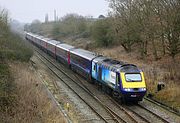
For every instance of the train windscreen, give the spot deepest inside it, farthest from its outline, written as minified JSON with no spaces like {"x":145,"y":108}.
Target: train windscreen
{"x":133,"y":77}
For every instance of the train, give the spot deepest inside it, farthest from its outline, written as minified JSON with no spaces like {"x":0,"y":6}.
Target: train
{"x":122,"y":80}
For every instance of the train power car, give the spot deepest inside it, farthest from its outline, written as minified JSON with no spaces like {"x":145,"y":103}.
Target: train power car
{"x":81,"y":61}
{"x":63,"y":53}
{"x":121,"y":79}
{"x":132,"y":81}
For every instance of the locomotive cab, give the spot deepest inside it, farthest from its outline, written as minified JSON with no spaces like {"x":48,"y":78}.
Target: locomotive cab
{"x":132,"y":83}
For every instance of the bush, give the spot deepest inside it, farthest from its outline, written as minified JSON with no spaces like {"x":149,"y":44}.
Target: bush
{"x":101,"y":32}
{"x":15,"y":48}
{"x":73,"y":24}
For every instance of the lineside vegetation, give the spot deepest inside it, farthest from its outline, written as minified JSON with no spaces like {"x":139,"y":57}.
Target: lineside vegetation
{"x":22,"y":95}
{"x":12,"y":47}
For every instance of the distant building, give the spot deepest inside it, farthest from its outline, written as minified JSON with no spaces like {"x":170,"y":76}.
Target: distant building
{"x":101,"y":17}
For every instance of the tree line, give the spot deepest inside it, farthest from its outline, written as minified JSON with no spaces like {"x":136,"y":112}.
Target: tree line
{"x":151,"y":26}
{"x":148,"y":23}
{"x":69,"y":25}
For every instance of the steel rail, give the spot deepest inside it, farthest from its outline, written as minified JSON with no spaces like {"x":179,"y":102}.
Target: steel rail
{"x":168,"y":108}
{"x":156,"y":115}
{"x":75,"y":91}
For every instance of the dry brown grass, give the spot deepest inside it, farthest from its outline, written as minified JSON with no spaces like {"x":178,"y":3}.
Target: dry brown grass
{"x":32,"y":103}
{"x":170,"y":95}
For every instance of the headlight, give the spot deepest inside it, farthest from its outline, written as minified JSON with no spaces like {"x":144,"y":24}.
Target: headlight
{"x":143,"y":89}
{"x":127,"y":89}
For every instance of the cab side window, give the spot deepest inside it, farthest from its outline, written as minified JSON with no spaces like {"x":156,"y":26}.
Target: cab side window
{"x":117,"y":79}
{"x":94,"y":68}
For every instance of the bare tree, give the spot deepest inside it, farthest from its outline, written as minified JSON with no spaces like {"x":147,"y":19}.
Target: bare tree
{"x":171,"y":17}
{"x":153,"y":23}
{"x":124,"y":23}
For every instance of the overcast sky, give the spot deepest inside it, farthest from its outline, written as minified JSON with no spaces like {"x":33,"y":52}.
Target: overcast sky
{"x":28,"y":10}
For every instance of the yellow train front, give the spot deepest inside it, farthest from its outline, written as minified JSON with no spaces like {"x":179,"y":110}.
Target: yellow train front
{"x":131,"y":83}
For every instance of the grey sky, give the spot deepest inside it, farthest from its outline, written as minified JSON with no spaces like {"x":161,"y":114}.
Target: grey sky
{"x":28,"y":10}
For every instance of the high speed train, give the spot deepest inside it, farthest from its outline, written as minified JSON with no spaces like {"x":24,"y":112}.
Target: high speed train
{"x":122,"y":80}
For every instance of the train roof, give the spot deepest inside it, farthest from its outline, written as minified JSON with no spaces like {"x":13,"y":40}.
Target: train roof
{"x":129,"y":68}
{"x":53,"y":42}
{"x":84,"y":53}
{"x":39,"y":36}
{"x":28,"y":33}
{"x":31,"y":34}
{"x":65,"y":46}
{"x":46,"y":39}
{"x":118,"y":66}
{"x":99,"y":59}
{"x":113,"y":62}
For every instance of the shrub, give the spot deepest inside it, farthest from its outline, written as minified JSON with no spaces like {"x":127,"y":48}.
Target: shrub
{"x":15,"y":48}
{"x":101,"y":32}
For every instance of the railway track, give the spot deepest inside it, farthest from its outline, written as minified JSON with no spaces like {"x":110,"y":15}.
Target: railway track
{"x":111,"y":106}
{"x":110,"y":103}
{"x":156,"y":115}
{"x":133,"y":114}
{"x":102,"y":111}
{"x":165,"y":113}
{"x":170,"y":109}
{"x":114,"y":109}
{"x":119,"y":108}
{"x":146,"y":114}
{"x":113,"y":114}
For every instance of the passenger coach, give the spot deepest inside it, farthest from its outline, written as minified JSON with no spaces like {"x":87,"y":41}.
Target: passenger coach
{"x":63,"y":53}
{"x":81,"y":61}
{"x":51,"y":47}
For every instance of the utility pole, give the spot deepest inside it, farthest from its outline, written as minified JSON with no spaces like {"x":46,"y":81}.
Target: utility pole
{"x":46,"y":18}
{"x":55,"y":15}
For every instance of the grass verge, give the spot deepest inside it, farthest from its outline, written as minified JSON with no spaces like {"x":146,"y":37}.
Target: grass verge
{"x":31,"y":102}
{"x":23,"y":98}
